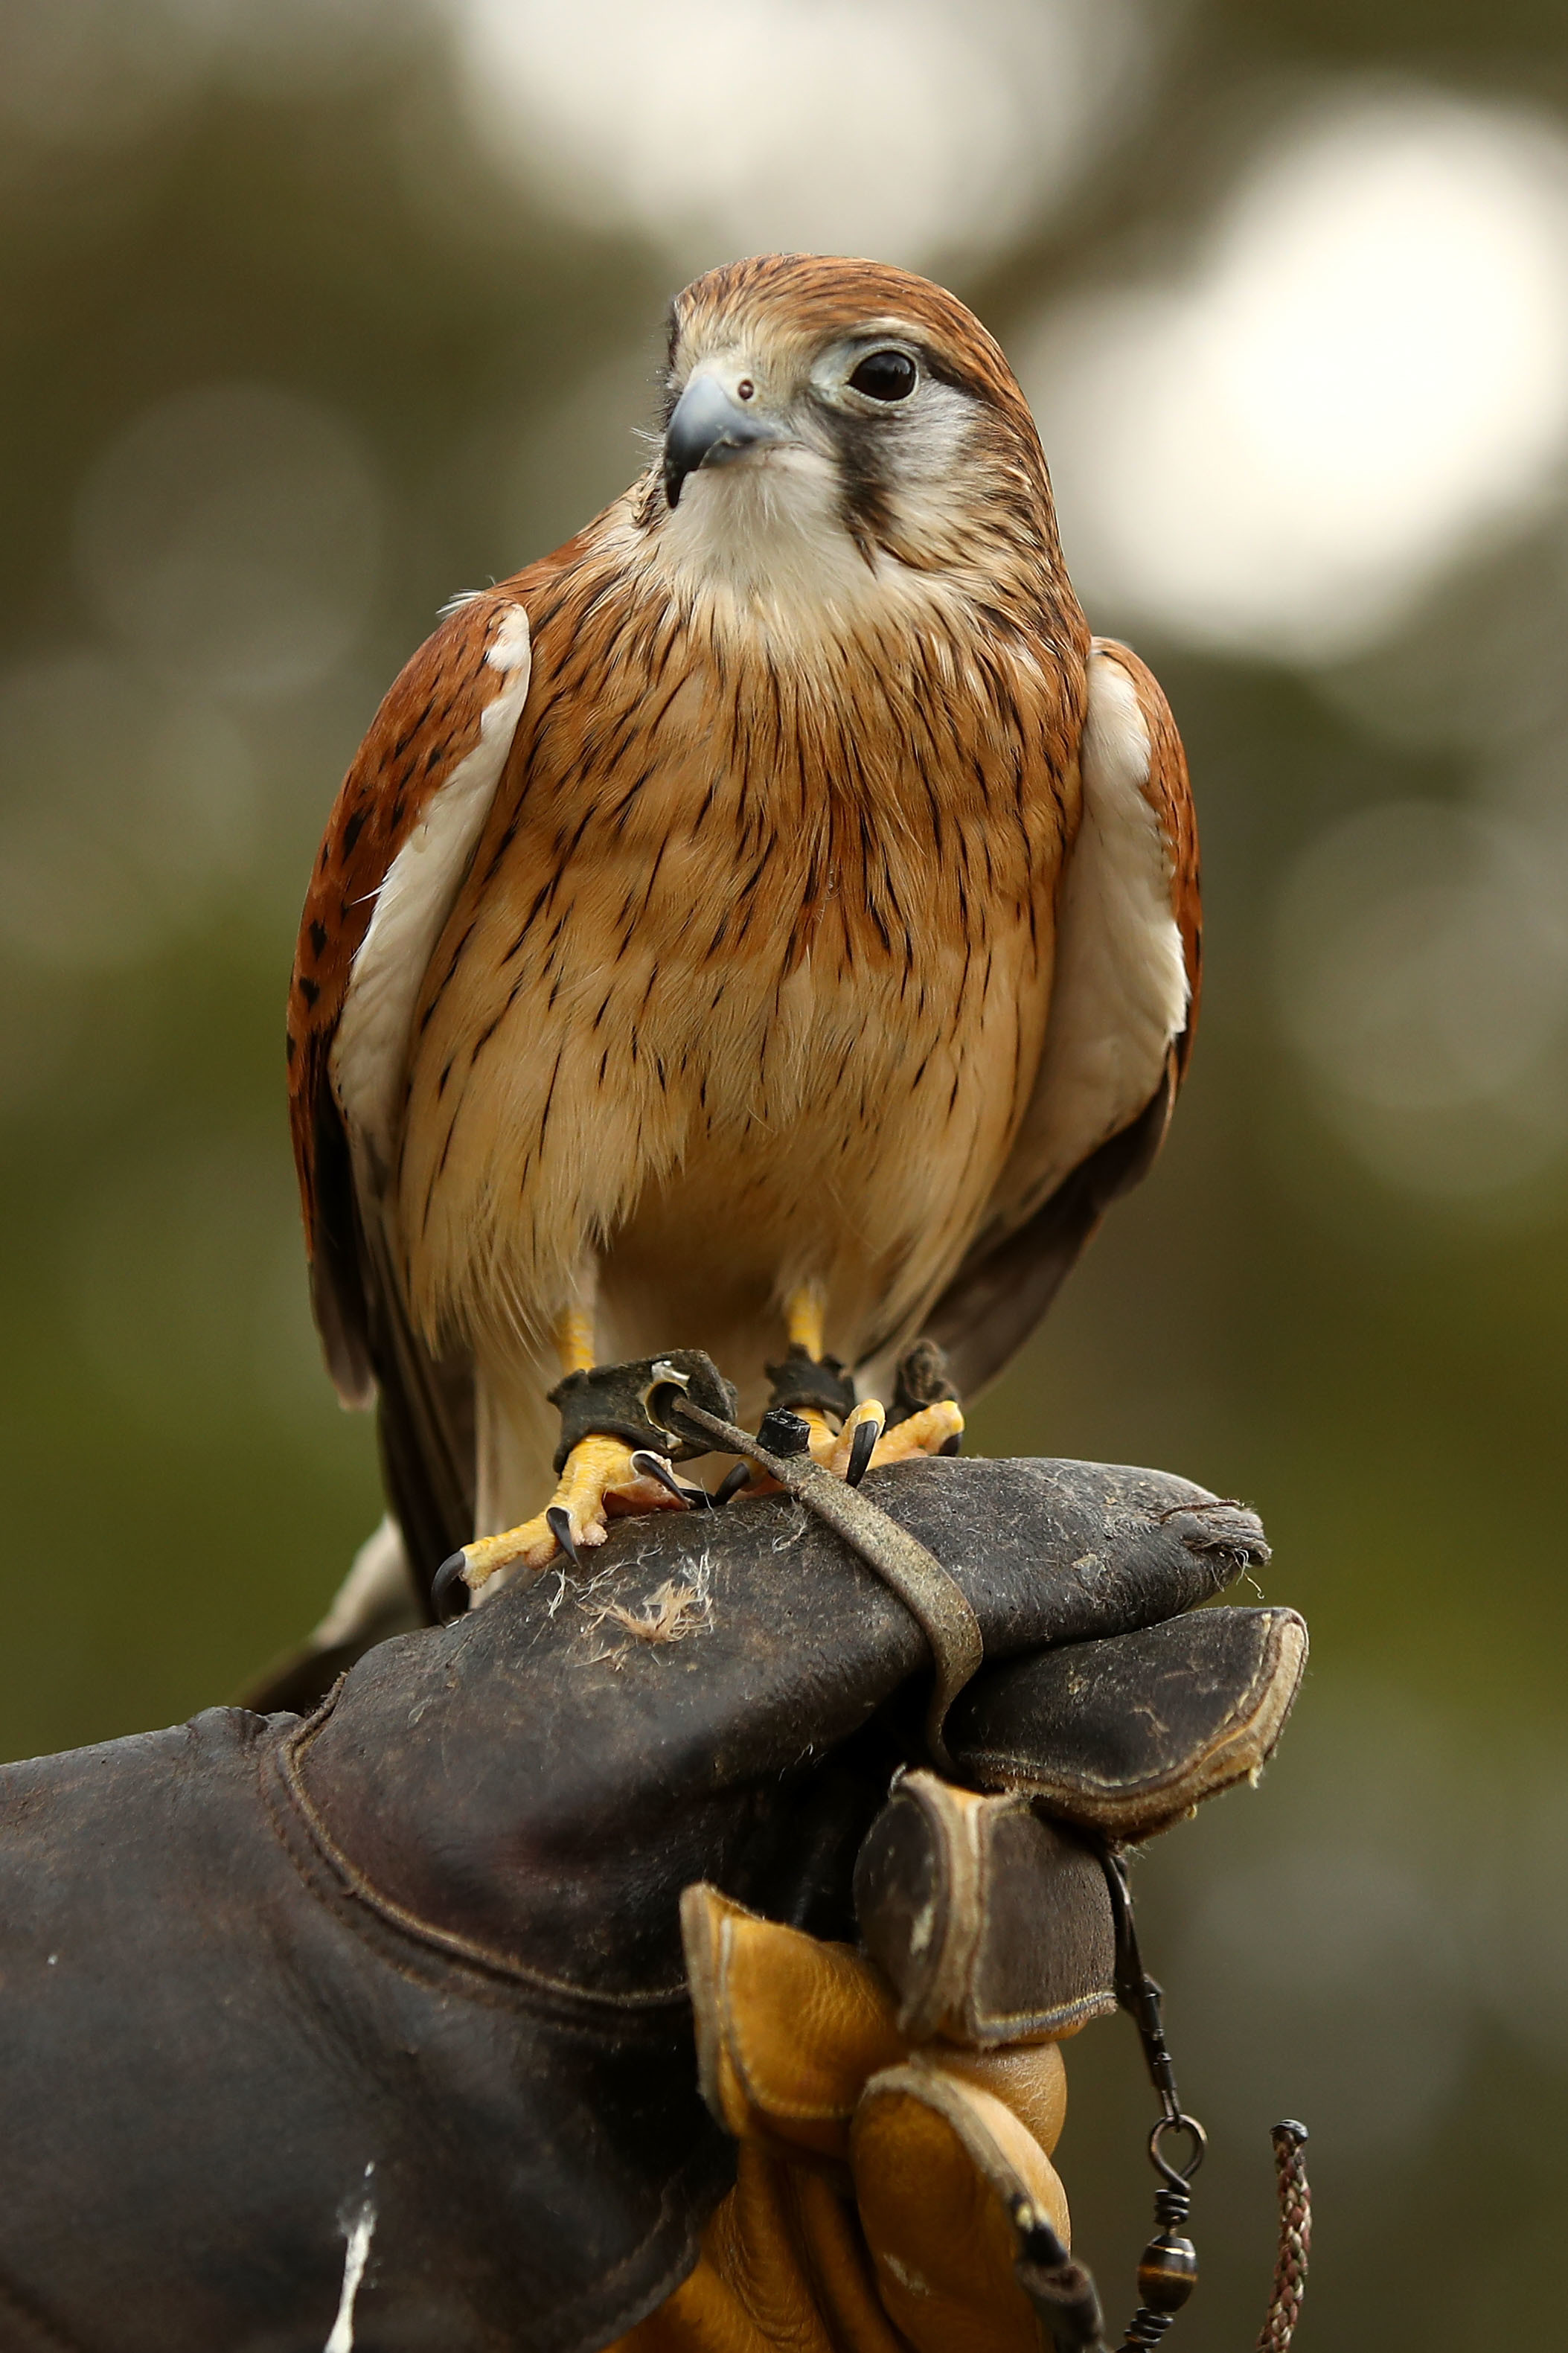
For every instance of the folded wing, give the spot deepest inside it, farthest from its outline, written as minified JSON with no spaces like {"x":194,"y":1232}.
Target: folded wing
{"x":397,"y":848}
{"x":1122,"y":1012}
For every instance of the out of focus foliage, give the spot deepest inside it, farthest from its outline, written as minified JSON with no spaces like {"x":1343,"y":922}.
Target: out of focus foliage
{"x":312,"y":314}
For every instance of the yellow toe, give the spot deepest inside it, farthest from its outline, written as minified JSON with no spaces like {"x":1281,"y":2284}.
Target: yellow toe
{"x":868,"y":1411}
{"x":926,"y":1433}
{"x":595,"y":1468}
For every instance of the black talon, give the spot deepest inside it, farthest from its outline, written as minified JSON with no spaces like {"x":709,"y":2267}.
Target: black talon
{"x":444,"y":1585}
{"x":730,"y":1485}
{"x":558,"y":1520}
{"x":654,"y":1466}
{"x":862,"y":1446}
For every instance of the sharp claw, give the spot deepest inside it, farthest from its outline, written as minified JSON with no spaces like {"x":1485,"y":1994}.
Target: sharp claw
{"x":730,"y":1485}
{"x":862,"y":1446}
{"x":558,"y":1520}
{"x":654,"y":1466}
{"x":447,"y":1583}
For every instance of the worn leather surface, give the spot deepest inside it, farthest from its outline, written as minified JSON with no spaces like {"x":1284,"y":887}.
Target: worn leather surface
{"x":870,"y":2208}
{"x":990,"y":1924}
{"x":790,"y":1646}
{"x":434,"y":1932}
{"x":211,"y":2051}
{"x":1124,"y":1737}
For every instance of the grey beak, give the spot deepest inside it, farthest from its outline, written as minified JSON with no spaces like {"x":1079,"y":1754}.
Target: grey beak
{"x":710,"y":429}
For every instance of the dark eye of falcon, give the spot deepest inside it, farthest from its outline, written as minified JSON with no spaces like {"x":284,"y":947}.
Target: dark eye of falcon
{"x":886,"y":375}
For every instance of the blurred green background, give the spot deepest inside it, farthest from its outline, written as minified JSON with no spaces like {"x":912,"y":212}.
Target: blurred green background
{"x":315,"y":311}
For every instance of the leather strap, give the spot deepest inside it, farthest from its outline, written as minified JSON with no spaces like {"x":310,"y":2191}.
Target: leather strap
{"x":899,"y":1559}
{"x":616,"y":1401}
{"x":802,"y":1381}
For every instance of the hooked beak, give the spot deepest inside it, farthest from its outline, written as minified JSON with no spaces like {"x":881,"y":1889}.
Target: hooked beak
{"x":710,"y":429}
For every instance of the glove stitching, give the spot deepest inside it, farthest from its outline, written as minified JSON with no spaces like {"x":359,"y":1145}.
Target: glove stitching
{"x":1004,"y":2026}
{"x":289,"y":1803}
{"x":742,"y":2059}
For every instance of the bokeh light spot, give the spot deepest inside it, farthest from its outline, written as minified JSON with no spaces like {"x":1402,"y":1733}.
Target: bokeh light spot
{"x":1366,"y":373}
{"x":906,"y":129}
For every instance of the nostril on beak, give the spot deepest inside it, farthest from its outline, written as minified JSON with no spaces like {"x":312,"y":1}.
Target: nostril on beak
{"x":710,"y":426}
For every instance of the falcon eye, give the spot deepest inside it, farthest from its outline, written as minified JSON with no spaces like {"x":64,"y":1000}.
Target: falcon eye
{"x":886,"y":375}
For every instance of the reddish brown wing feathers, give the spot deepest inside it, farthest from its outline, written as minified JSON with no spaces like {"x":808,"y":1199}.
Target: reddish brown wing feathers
{"x":428,"y":723}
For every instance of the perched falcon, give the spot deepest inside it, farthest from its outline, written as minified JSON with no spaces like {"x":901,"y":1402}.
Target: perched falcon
{"x":770,"y":919}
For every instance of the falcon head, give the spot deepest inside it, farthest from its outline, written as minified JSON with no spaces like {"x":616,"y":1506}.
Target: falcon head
{"x":831,"y":424}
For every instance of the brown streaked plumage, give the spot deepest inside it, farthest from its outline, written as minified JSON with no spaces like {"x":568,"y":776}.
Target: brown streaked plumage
{"x":716,"y":965}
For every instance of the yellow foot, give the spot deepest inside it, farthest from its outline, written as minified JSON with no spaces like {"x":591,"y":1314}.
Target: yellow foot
{"x":926,"y":1433}
{"x":598,"y":1481}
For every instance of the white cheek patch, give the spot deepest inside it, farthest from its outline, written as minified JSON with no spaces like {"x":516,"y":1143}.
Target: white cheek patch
{"x":933,"y":432}
{"x":371,"y":1049}
{"x":931,"y":486}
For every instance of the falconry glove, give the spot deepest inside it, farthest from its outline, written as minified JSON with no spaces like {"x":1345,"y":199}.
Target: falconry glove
{"x":895,"y":2106}
{"x":375,"y":2028}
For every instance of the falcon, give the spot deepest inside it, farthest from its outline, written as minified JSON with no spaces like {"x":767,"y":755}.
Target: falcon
{"x":766,"y":927}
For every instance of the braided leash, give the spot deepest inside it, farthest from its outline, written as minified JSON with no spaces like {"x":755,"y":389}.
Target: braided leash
{"x":1063,"y":2292}
{"x":1295,"y":2240}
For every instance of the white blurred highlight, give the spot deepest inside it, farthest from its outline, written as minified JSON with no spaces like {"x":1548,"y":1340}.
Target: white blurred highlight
{"x":904,"y":129}
{"x":1365,"y":375}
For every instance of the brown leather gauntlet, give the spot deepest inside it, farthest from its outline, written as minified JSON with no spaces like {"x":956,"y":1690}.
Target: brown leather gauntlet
{"x":414,"y":1969}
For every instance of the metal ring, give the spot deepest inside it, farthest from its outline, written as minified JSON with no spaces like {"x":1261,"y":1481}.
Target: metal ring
{"x":666,"y":1377}
{"x":1200,"y":2140}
